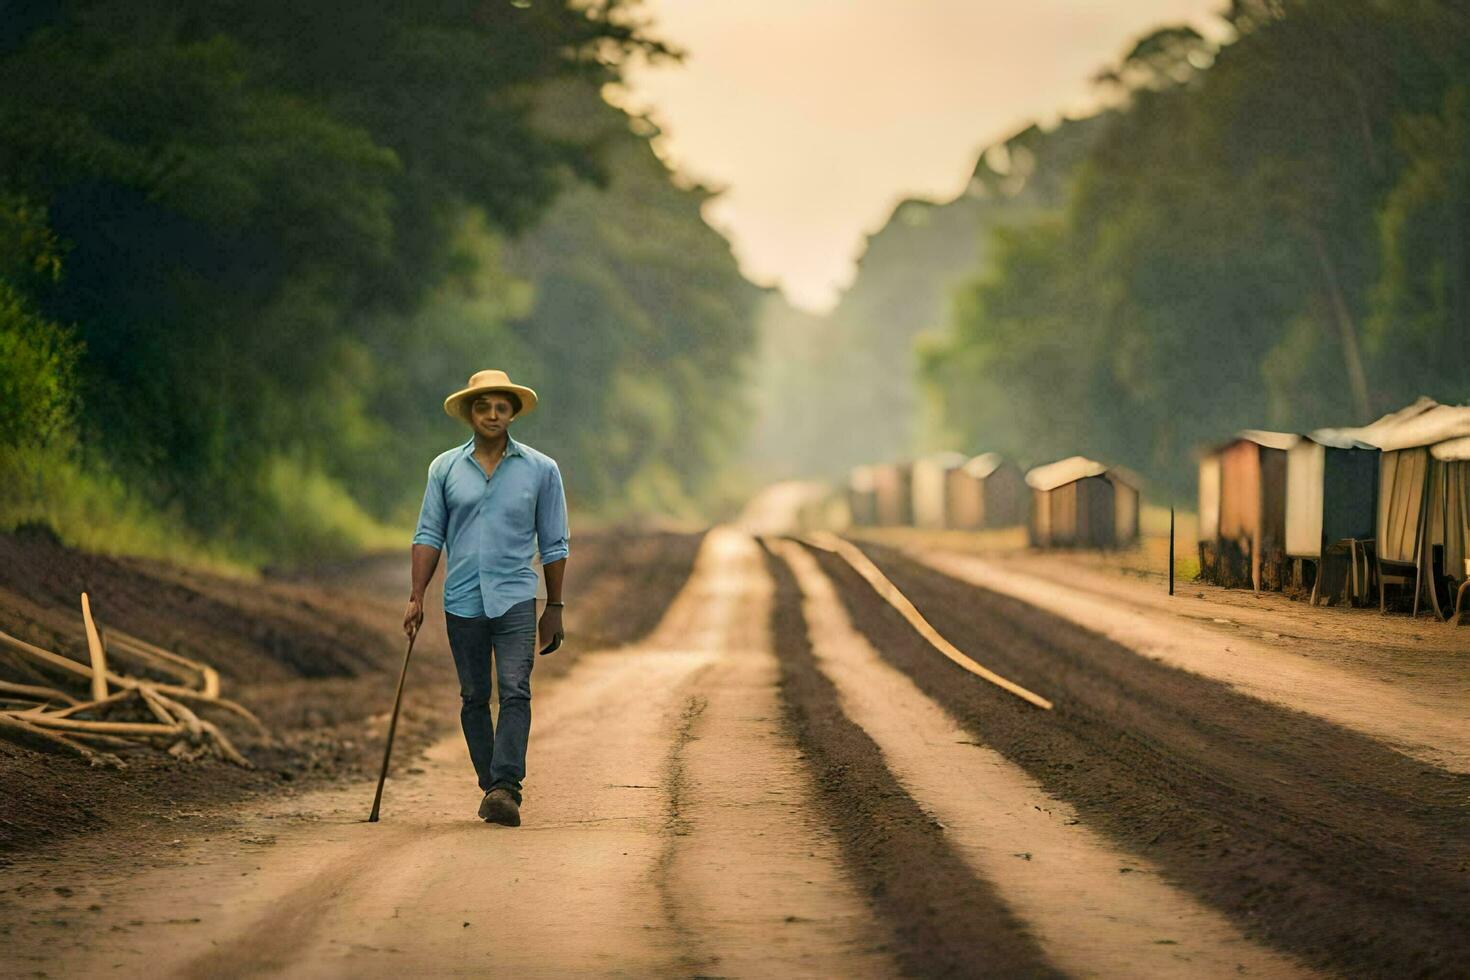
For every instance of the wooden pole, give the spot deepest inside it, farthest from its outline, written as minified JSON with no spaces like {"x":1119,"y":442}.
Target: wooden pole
{"x":99,"y":658}
{"x":863,"y":565}
{"x":1171,"y":550}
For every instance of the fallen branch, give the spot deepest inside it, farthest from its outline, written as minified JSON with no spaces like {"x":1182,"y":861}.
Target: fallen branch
{"x":863,"y":565}
{"x":155,"y":705}
{"x":37,"y":691}
{"x":56,"y":660}
{"x":17,"y":726}
{"x":168,"y":661}
{"x":105,"y":727}
{"x":173,"y":719}
{"x":197,"y":725}
{"x":94,"y":646}
{"x":81,"y":670}
{"x":112,"y":698}
{"x":185,"y":694}
{"x":116,"y":741}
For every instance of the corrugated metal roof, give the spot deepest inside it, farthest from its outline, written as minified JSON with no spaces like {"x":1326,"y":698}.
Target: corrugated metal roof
{"x":983,"y":465}
{"x":1372,"y":433}
{"x":1337,"y":439}
{"x":1064,"y":471}
{"x":1121,"y":474}
{"x":1453,"y":451}
{"x":1441,"y":423}
{"x":1267,"y":438}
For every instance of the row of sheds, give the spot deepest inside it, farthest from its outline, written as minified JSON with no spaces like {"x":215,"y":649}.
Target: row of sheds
{"x":1398,"y":488}
{"x":1073,"y":502}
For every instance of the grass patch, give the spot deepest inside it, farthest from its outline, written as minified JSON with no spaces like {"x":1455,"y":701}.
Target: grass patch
{"x":93,"y":511}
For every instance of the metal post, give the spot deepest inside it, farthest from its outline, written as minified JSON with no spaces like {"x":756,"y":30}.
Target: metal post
{"x":1171,"y":550}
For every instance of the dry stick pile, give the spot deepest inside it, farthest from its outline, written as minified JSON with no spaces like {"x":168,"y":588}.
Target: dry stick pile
{"x":51,"y":715}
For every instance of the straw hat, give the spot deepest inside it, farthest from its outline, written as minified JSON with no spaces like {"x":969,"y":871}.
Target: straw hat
{"x":481,"y":382}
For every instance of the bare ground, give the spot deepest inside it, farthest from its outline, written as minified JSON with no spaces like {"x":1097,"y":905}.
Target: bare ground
{"x":1318,"y":840}
{"x":762,"y":786}
{"x":668,"y":831}
{"x":945,"y":920}
{"x":315,"y":654}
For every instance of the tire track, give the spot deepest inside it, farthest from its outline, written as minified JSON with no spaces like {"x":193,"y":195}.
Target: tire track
{"x":1317,"y":840}
{"x":751,"y":883}
{"x":943,"y":919}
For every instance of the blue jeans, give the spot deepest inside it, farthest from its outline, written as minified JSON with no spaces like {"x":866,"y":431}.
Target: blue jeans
{"x":499,"y":756}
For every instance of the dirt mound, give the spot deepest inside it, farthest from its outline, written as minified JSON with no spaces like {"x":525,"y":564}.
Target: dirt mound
{"x":314,"y":654}
{"x":249,"y":631}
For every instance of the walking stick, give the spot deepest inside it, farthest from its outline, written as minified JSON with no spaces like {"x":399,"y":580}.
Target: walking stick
{"x":392,"y":726}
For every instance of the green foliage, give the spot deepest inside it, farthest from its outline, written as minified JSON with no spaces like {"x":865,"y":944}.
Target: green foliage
{"x":37,"y":362}
{"x":37,"y":357}
{"x":277,"y":234}
{"x":91,"y":508}
{"x":1271,"y":235}
{"x":1420,"y":319}
{"x":641,"y":324}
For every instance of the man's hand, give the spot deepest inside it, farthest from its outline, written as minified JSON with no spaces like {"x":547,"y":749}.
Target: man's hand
{"x":413,"y":618}
{"x":550,"y":628}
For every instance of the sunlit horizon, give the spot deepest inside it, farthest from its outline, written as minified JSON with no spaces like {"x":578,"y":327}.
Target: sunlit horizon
{"x":763,"y":111}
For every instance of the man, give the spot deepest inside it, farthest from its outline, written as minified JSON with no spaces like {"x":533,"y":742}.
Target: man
{"x":485,"y":502}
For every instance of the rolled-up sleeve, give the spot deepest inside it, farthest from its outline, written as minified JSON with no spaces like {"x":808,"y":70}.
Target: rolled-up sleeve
{"x":433,"y":519}
{"x":552,"y":533}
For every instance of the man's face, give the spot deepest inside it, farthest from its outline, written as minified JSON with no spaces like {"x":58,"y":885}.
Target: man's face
{"x":490,"y":413}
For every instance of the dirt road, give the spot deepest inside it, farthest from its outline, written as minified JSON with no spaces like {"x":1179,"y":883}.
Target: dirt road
{"x":782,"y":779}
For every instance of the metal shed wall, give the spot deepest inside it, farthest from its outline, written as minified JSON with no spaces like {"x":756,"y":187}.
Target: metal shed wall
{"x":1040,"y":526}
{"x":931,"y":488}
{"x":964,"y":507}
{"x":1209,"y":498}
{"x":893,"y":484}
{"x":987,"y":492}
{"x":1401,"y":484}
{"x":1082,"y":514}
{"x":862,"y":501}
{"x":1414,"y":487}
{"x":1349,"y":494}
{"x":1004,"y":492}
{"x":1305,"y":469}
{"x":1125,"y":512}
{"x":1449,"y":513}
{"x":1253,"y":493}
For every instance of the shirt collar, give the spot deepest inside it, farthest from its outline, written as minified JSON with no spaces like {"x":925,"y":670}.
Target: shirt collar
{"x":512,"y":448}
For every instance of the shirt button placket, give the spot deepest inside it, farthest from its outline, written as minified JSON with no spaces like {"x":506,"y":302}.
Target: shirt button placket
{"x":484,"y":550}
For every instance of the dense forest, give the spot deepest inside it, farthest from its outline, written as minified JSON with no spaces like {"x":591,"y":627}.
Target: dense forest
{"x":1269,"y":232}
{"x":246,"y":248}
{"x":1272,"y":234}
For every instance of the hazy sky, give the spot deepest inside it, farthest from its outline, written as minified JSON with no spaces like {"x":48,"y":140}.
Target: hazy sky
{"x":817,"y":116}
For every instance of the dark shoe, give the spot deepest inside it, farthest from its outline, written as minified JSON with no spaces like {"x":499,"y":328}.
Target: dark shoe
{"x":500,"y":807}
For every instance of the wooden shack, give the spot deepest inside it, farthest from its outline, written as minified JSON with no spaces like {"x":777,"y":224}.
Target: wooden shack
{"x":1423,"y":523}
{"x":1251,"y":532}
{"x":862,"y":497}
{"x":1126,"y":499}
{"x":1209,"y":514}
{"x":1072,"y":505}
{"x":893,"y":484}
{"x":987,"y":491}
{"x":1331,"y":497}
{"x":931,"y":488}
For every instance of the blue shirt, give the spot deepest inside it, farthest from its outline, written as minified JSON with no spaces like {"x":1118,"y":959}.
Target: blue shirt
{"x":492,"y":526}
